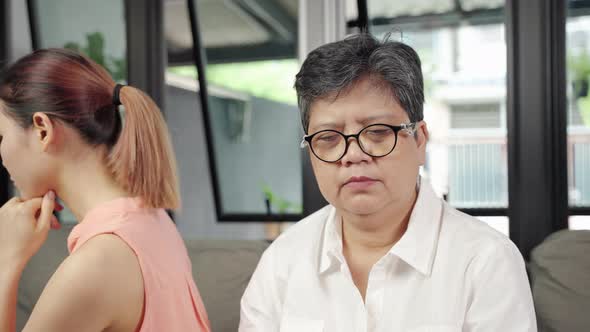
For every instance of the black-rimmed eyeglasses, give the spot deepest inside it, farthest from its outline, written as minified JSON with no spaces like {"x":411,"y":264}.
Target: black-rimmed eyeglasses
{"x":376,"y":140}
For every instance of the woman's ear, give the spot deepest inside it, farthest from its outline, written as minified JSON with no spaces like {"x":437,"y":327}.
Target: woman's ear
{"x":44,"y":129}
{"x":422,"y":136}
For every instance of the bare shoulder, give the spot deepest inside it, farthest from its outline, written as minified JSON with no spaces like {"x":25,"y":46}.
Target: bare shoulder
{"x":99,"y":287}
{"x":106,"y":256}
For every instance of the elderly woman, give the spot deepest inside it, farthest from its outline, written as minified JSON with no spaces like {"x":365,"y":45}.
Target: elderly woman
{"x":387,"y":254}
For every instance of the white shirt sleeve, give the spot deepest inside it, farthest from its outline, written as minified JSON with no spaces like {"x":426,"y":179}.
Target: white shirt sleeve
{"x":260,"y":305}
{"x":499,"y":298}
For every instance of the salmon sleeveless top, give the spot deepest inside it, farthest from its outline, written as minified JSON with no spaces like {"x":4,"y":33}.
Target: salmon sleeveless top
{"x":172,"y":301}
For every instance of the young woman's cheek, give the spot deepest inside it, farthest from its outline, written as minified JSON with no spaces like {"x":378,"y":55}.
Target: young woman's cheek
{"x":3,"y":154}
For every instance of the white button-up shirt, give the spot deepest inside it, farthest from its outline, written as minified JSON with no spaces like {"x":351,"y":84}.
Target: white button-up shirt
{"x":448,"y":273}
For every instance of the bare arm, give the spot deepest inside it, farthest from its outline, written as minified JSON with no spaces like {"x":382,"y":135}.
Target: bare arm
{"x":9,"y":278}
{"x":98,"y":287}
{"x":22,"y":231}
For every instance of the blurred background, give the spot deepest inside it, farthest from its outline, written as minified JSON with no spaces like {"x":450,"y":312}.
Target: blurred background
{"x":223,"y":73}
{"x":506,"y":83}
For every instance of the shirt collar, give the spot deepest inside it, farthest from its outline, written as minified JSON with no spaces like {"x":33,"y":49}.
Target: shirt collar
{"x":417,"y":247}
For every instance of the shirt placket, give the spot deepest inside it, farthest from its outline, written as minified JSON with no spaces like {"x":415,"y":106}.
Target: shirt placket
{"x":360,"y":321}
{"x":374,"y":295}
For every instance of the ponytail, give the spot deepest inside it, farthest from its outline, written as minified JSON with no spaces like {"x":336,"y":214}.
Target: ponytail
{"x":142,"y":160}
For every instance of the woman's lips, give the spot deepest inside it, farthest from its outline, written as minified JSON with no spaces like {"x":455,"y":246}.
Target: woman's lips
{"x":359,"y":182}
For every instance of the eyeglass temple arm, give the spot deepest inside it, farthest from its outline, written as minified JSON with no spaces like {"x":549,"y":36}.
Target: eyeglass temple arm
{"x":409,"y":128}
{"x":303,"y":143}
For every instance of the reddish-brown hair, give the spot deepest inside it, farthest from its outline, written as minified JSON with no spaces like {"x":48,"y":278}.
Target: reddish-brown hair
{"x":73,"y":89}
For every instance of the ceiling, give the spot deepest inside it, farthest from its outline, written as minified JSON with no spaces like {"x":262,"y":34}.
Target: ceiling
{"x":233,"y":30}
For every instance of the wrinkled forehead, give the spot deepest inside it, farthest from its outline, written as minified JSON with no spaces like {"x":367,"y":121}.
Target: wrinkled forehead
{"x":365,"y":102}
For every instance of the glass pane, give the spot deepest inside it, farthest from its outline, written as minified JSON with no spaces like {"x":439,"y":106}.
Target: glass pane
{"x":578,"y":116}
{"x":96,"y":28}
{"x":254,"y":120}
{"x":579,"y":222}
{"x":351,"y":10}
{"x":388,"y":9}
{"x":465,"y":91}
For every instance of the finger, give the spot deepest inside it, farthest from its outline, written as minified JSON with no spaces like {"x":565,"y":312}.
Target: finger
{"x":35,"y":204}
{"x":32,"y":205}
{"x":47,"y":206}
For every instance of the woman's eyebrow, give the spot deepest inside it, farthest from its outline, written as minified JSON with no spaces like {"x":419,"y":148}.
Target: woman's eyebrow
{"x":374,"y":118}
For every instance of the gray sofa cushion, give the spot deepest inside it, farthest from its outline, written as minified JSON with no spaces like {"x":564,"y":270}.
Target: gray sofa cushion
{"x":38,"y":271}
{"x":221,"y":268}
{"x":560,"y":277}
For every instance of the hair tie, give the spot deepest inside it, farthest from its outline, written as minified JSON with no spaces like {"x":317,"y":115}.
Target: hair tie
{"x":116,"y":93}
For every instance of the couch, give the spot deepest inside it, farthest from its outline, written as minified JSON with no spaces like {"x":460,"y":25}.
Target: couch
{"x":560,"y":279}
{"x":559,"y":271}
{"x":221,"y":268}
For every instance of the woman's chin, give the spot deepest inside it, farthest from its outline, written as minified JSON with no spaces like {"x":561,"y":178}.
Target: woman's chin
{"x":25,"y":196}
{"x":363,"y":206}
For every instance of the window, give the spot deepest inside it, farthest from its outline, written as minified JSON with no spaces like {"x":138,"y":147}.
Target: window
{"x":465,"y":107}
{"x":252,"y":123}
{"x":476,"y":116}
{"x":465,"y":95}
{"x":578,"y":117}
{"x":94,"y":28}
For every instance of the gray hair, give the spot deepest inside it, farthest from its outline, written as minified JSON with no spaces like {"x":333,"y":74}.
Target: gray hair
{"x":335,"y":67}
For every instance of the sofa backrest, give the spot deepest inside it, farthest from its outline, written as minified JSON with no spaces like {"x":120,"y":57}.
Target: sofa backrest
{"x":222,"y":270}
{"x":560,"y":278}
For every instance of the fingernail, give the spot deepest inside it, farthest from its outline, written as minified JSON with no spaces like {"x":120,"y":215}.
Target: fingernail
{"x":51,"y":194}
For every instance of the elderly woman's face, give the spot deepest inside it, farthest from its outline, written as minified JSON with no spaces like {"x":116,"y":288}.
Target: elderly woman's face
{"x":359,"y":183}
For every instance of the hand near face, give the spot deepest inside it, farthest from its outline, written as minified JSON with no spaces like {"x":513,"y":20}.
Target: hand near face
{"x":24,"y":225}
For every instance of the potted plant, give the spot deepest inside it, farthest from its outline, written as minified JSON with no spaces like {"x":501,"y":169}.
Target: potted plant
{"x":95,"y":51}
{"x":282,"y":206}
{"x":579,"y":68}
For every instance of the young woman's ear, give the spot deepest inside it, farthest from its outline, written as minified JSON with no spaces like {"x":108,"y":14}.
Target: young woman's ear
{"x":44,"y":129}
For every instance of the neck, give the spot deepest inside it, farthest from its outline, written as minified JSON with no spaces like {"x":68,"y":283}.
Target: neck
{"x":86,"y":183}
{"x":379,"y":231}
